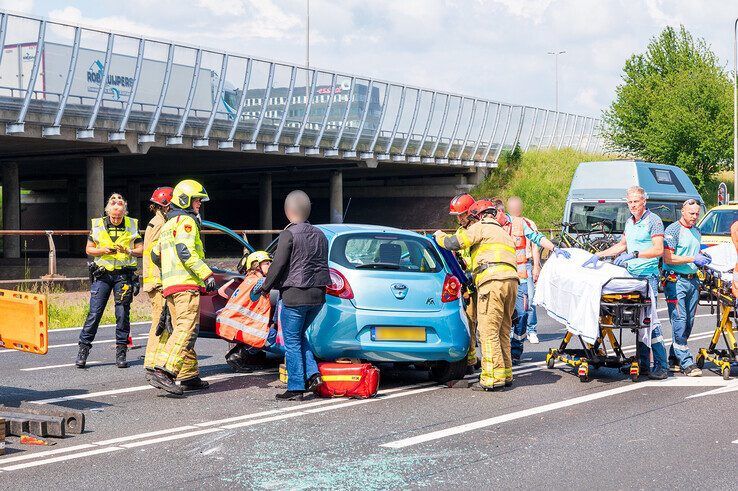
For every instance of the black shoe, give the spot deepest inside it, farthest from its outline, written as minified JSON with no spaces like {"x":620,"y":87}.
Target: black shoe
{"x":508,"y":383}
{"x":120,"y":356}
{"x":470,"y":369}
{"x":290,"y":395}
{"x":149,"y":374}
{"x":658,"y":375}
{"x":516,"y":361}
{"x":82,"y":354}
{"x":194,"y":383}
{"x":162,"y":380}
{"x":481,"y":388}
{"x":314,"y":382}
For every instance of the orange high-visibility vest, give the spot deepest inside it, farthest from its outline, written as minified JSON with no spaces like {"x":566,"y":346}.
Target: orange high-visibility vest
{"x":521,"y":244}
{"x":243,"y":319}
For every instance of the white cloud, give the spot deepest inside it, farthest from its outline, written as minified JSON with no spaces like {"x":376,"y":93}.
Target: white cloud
{"x":22,"y":6}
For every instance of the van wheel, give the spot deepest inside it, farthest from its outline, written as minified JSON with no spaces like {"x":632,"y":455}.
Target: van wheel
{"x":444,"y":371}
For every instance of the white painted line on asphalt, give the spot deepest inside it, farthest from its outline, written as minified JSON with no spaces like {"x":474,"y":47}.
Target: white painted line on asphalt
{"x":144,"y":435}
{"x":67,"y":345}
{"x":367,"y":401}
{"x":62,"y":458}
{"x":253,"y":422}
{"x":48,"y":367}
{"x":64,"y":329}
{"x":34,"y":455}
{"x":90,"y":395}
{"x":171,"y":437}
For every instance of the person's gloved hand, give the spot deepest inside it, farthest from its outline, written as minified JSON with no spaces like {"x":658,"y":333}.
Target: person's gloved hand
{"x":702,"y":260}
{"x":256,"y":290}
{"x":561,"y":252}
{"x":210,"y":285}
{"x":592,"y":261}
{"x":623,"y":258}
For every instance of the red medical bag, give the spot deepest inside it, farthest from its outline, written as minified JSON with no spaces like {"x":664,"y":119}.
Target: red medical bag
{"x":356,"y":380}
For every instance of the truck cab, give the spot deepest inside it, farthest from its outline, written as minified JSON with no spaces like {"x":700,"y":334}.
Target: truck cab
{"x":597,"y":193}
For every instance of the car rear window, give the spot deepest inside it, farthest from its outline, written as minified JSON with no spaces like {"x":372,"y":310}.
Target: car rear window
{"x":385,"y":252}
{"x":718,"y":222}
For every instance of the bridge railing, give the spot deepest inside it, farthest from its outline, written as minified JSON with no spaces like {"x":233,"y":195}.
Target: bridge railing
{"x":204,"y":97}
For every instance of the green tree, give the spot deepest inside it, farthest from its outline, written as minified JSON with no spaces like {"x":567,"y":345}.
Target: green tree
{"x":674,"y":107}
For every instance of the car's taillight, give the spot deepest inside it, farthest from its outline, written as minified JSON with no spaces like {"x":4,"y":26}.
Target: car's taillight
{"x":451,"y":289}
{"x":339,"y":286}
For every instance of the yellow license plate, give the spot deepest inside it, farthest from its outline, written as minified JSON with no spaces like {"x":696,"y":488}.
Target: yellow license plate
{"x":398,"y":334}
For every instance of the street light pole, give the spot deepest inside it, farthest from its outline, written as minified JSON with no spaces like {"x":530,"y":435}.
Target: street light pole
{"x":735,"y":110}
{"x":556,"y":73}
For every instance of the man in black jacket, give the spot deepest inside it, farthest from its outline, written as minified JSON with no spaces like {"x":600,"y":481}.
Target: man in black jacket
{"x":300,"y":272}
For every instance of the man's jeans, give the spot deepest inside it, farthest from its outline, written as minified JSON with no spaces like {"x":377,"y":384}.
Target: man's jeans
{"x":532,"y":315}
{"x":682,"y":296}
{"x":299,"y":359}
{"x":120,"y":286}
{"x":657,"y":339}
{"x":520,"y":321}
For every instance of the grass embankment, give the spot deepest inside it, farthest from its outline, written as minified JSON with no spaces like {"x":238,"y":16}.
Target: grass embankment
{"x":540,"y":177}
{"x":70,"y":309}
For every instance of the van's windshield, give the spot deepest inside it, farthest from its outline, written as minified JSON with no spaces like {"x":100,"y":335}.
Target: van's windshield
{"x":584,"y":215}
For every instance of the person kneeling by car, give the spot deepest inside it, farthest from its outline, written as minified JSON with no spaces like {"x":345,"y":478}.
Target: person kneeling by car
{"x":246,"y":318}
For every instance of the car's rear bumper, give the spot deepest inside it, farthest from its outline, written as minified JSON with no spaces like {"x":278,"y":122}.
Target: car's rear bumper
{"x":340,"y":330}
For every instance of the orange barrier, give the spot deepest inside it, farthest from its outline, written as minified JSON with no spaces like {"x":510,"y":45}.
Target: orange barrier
{"x":24,"y":321}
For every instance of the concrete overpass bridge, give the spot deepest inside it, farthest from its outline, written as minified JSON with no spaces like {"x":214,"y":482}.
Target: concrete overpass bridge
{"x":84,"y":111}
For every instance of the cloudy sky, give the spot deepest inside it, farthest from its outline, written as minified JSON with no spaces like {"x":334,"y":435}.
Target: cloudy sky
{"x":493,"y":49}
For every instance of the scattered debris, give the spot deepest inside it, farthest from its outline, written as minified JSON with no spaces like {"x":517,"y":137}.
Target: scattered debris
{"x":28,"y":439}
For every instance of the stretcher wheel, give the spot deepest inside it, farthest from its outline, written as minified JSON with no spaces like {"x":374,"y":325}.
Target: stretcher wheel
{"x":726,"y":373}
{"x":583,"y":373}
{"x":635,"y":372}
{"x":550,"y":361}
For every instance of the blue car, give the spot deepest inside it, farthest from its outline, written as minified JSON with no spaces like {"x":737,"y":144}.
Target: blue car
{"x":393,"y":298}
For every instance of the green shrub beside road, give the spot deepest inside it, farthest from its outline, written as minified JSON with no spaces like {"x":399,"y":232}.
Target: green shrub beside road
{"x":540,"y":177}
{"x":70,"y":309}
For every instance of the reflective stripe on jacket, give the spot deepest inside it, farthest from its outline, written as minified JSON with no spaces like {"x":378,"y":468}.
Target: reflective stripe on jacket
{"x":101,"y":238}
{"x":181,"y":255}
{"x":244,"y":319}
{"x":492,"y":250}
{"x":151,"y":272}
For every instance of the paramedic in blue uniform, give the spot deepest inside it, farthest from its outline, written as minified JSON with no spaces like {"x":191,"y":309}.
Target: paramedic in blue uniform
{"x":639,"y":251}
{"x":682,"y":259}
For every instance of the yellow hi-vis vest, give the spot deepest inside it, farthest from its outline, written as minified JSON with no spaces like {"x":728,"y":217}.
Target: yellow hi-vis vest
{"x":465,"y":255}
{"x":119,"y":260}
{"x":492,"y":251}
{"x":183,"y":269}
{"x":151,"y":272}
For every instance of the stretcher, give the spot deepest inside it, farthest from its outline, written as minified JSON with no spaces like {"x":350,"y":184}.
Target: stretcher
{"x":619,"y":311}
{"x":717,"y":285}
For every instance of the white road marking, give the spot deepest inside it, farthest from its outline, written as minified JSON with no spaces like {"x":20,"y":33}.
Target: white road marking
{"x":101,"y":326}
{"x":91,"y":395}
{"x":171,"y":437}
{"x":34,"y":455}
{"x":48,"y":367}
{"x":456,"y":430}
{"x":67,"y":345}
{"x":732,"y":387}
{"x":62,"y":458}
{"x":144,"y":435}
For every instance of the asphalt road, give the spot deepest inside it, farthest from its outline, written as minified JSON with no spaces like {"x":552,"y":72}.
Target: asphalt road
{"x":548,"y":431}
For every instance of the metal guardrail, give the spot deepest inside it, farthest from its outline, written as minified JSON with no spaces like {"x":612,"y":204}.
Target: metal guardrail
{"x":52,"y":269}
{"x":176,"y":89}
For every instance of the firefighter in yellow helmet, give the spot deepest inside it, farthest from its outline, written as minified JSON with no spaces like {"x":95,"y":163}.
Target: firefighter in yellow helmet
{"x":114,"y":243}
{"x":180,"y":256}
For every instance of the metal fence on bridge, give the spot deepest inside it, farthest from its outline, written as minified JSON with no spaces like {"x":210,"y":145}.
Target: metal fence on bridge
{"x":91,"y":79}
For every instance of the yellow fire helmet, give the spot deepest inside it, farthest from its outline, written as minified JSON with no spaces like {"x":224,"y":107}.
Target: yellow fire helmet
{"x":185,"y":191}
{"x":257,"y":257}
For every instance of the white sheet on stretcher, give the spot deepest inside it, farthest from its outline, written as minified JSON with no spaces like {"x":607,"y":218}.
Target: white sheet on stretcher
{"x":723,"y":259}
{"x":571,"y":294}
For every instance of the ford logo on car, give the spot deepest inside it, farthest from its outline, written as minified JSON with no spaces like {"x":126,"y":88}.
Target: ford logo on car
{"x":399,"y":290}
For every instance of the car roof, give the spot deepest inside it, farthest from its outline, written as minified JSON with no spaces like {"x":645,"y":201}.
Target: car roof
{"x":729,"y":206}
{"x":333,"y":229}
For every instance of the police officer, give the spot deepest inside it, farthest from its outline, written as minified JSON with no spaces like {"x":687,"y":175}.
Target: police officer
{"x":160,"y":204}
{"x":459,"y":207}
{"x":496,"y":278}
{"x":113,"y":243}
{"x":180,"y":256}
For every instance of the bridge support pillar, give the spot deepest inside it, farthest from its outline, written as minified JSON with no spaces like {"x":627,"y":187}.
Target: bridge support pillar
{"x":95,"y":188}
{"x":11,"y":209}
{"x":336,"y":197}
{"x":265,"y":208}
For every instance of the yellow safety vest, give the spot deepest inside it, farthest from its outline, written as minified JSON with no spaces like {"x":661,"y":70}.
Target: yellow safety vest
{"x":181,"y":274}
{"x":492,"y":251}
{"x":101,"y":238}
{"x":465,"y":254}
{"x":151,"y":272}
